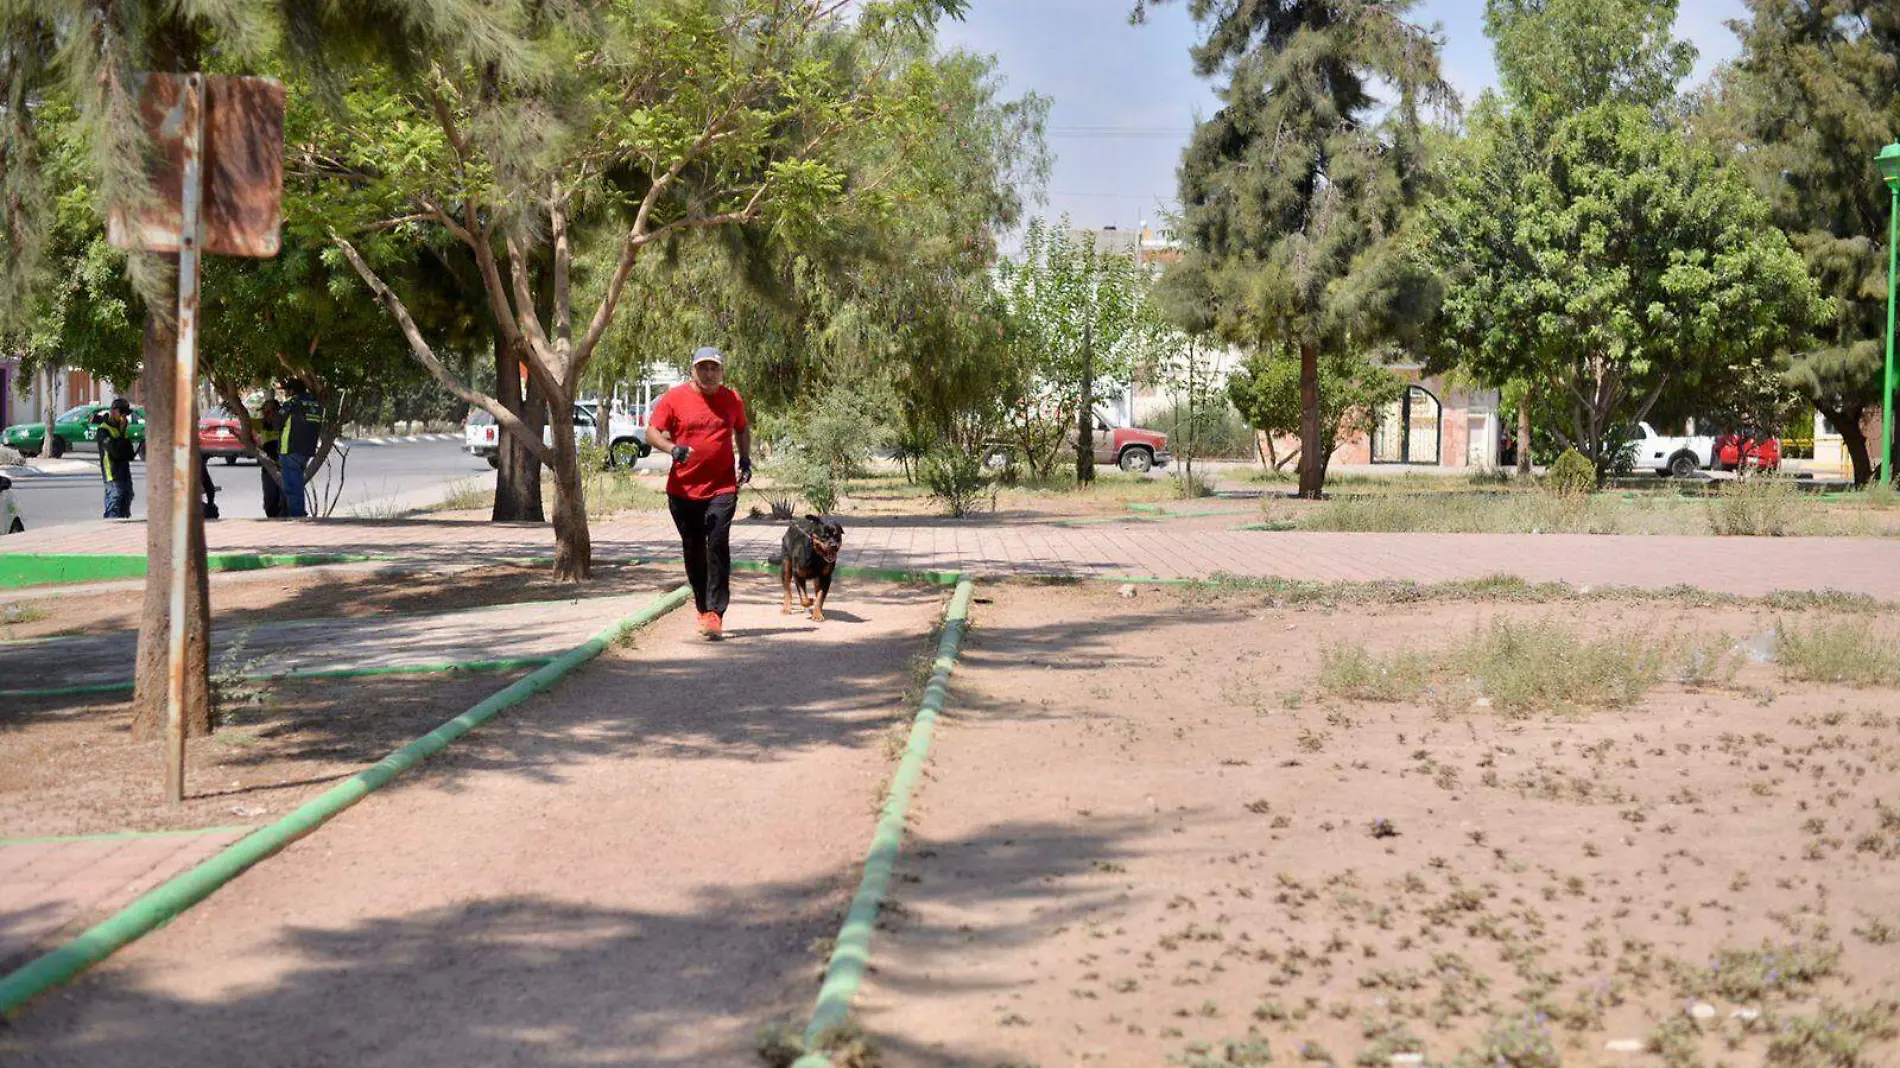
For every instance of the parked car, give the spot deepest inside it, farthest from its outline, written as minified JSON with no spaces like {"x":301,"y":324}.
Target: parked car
{"x":1132,"y":449}
{"x":1748,"y":451}
{"x":481,"y":435}
{"x":71,"y":429}
{"x":1679,"y":457}
{"x":12,"y":519}
{"x":218,"y":435}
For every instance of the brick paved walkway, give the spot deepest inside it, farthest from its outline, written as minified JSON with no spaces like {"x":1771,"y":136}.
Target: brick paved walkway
{"x":1038,"y":545}
{"x":48,"y":886}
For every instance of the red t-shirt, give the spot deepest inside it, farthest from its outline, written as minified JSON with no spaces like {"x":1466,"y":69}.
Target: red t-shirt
{"x":705,"y":425}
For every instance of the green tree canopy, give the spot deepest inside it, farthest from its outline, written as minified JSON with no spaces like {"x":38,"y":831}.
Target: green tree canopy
{"x":637,"y":124}
{"x":1586,"y":247}
{"x":1293,"y":190}
{"x":1080,"y":315}
{"x":1802,"y":112}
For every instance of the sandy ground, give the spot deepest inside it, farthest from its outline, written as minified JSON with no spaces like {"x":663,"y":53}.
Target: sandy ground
{"x":344,"y":591}
{"x":1147,"y":838}
{"x":633,"y":869}
{"x":69,"y":765}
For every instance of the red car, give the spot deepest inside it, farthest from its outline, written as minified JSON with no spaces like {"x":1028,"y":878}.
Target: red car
{"x":1747,"y":451}
{"x":218,"y":435}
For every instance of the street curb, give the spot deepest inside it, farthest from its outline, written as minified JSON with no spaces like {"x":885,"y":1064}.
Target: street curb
{"x":66,"y":569}
{"x":851,"y":955}
{"x":181,"y":892}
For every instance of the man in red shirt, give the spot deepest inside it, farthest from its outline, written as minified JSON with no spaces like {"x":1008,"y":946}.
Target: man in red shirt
{"x":698,"y":423}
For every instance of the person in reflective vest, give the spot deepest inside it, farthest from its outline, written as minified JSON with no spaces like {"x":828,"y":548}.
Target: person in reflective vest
{"x":302,"y":418}
{"x":269,"y":428}
{"x":112,"y":432}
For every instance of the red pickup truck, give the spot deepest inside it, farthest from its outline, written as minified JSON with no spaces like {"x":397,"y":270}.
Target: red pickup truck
{"x":1129,"y":447}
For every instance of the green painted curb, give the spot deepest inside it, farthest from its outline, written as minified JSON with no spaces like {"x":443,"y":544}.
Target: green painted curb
{"x":318,"y":673}
{"x":112,"y":836}
{"x":66,"y":569}
{"x":183,"y":891}
{"x":852,"y":953}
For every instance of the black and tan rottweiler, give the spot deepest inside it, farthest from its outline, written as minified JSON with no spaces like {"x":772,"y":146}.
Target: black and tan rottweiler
{"x":810,"y":555}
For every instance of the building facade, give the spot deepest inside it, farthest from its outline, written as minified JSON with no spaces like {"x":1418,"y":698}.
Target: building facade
{"x":1433,"y":424}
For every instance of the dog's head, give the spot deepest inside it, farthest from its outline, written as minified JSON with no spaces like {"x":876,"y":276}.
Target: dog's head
{"x":827,"y":536}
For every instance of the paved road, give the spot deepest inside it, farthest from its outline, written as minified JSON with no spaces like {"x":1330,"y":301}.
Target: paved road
{"x":380,"y":479}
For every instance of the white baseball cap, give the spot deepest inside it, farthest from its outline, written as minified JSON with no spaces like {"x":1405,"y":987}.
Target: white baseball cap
{"x":709,"y":355}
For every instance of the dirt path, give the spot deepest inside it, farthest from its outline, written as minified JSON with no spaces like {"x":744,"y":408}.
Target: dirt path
{"x":630,"y":870}
{"x":1151,"y":836}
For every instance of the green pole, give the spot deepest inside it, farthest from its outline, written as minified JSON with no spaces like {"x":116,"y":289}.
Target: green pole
{"x":1887,"y":380}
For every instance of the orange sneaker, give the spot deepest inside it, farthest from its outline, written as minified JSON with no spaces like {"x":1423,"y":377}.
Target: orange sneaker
{"x":711,"y":625}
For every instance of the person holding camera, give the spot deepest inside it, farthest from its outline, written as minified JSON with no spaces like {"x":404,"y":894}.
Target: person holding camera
{"x":112,"y":432}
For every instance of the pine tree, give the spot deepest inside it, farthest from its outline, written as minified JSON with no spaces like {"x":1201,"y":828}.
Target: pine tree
{"x":1811,"y":100}
{"x":1293,"y":191}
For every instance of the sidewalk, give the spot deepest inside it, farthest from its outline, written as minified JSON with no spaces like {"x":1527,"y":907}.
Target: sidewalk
{"x":1035,"y":545}
{"x":533,"y":630}
{"x":41,"y":467}
{"x":46,"y":885}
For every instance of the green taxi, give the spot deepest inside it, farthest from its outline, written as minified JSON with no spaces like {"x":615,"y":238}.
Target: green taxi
{"x":71,"y":428}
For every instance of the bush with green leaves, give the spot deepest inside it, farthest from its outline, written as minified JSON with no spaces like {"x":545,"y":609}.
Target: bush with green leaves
{"x":1573,"y":475}
{"x":825,"y":443}
{"x":957,"y":477}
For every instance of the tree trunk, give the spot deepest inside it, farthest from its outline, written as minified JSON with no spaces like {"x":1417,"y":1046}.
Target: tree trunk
{"x":1524,"y":433}
{"x":573,"y":546}
{"x":1853,"y":439}
{"x":604,"y":426}
{"x":1085,"y":419}
{"x":517,"y":471}
{"x":160,"y":351}
{"x":1312,"y":455}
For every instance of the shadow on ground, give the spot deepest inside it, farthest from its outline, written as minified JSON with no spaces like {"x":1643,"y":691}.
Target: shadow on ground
{"x":515,"y":980}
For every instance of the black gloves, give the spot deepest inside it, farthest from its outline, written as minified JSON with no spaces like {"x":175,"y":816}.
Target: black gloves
{"x":745,"y":470}
{"x":680,"y":453}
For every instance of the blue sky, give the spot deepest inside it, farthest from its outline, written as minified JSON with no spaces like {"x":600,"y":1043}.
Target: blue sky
{"x":1123,"y":97}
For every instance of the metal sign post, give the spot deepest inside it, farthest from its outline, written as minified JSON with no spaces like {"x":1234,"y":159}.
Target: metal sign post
{"x":217,"y":176}
{"x":184,"y":423}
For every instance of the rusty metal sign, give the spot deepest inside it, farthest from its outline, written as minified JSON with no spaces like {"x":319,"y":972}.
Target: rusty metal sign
{"x":242,"y":166}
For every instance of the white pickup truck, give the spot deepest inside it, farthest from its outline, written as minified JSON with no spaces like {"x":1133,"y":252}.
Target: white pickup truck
{"x":481,"y":436}
{"x":1678,"y":457}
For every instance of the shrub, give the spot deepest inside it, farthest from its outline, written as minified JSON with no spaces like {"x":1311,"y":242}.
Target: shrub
{"x":1840,"y":652}
{"x":1521,"y":1043}
{"x":1750,"y":976}
{"x":795,"y":474}
{"x":958,"y":478}
{"x":1350,"y":671}
{"x":1835,"y":1036}
{"x":1518,"y":667}
{"x":1217,"y":429}
{"x":1760,"y":505}
{"x":1573,"y":475}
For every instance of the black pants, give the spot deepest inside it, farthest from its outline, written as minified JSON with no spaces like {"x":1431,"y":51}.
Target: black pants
{"x":273,"y":493}
{"x":706,"y":537}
